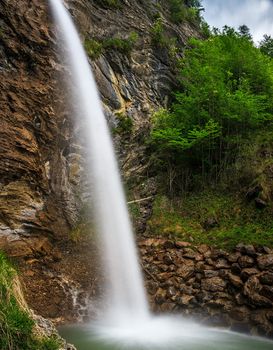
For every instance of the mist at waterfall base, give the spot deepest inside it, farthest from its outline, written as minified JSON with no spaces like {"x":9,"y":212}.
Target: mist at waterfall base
{"x":126,"y":320}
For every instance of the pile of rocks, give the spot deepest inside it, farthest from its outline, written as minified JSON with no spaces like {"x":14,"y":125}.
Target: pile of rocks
{"x":233,"y":290}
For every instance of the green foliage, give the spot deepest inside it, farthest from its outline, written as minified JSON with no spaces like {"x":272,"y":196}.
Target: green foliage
{"x":205,"y":29}
{"x":178,"y":10}
{"x":226,"y":94}
{"x":125,"y":124}
{"x":123,"y":45}
{"x":157,"y":32}
{"x":181,"y":11}
{"x":93,"y":48}
{"x":16,"y":326}
{"x":134,"y":210}
{"x":266,"y":45}
{"x":109,"y":3}
{"x":161,"y":40}
{"x":237,"y":222}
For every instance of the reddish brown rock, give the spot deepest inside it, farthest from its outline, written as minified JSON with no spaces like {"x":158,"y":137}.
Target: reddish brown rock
{"x":246,"y":273}
{"x":214,"y":284}
{"x":266,"y":278}
{"x":235,"y":280}
{"x":265,"y":262}
{"x":186,"y":270}
{"x":246,"y":261}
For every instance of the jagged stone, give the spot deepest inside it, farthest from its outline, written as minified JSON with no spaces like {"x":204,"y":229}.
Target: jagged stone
{"x":221,"y":264}
{"x":235,"y":280}
{"x":266,"y":278}
{"x":233,"y":258}
{"x":267,"y":291}
{"x":210,"y":273}
{"x":246,"y":261}
{"x":186,"y":270}
{"x":213,"y":284}
{"x":252,"y":289}
{"x":247,"y":272}
{"x":265,"y":262}
{"x":184,"y":300}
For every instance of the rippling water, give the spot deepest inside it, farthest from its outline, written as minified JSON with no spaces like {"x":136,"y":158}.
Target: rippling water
{"x":163,"y":334}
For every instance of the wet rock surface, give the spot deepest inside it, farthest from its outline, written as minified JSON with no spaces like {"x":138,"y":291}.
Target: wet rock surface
{"x":202,"y":282}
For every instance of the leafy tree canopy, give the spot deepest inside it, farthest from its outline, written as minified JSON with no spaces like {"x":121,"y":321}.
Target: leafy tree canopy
{"x":226,"y":94}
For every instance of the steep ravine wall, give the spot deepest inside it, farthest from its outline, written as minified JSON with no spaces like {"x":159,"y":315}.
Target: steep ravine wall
{"x":43,"y":186}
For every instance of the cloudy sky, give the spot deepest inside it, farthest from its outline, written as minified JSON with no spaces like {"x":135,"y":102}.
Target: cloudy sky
{"x":256,"y":14}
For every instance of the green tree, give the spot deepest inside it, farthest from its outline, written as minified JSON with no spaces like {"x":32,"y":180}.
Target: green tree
{"x":226,"y":94}
{"x":266,"y":45}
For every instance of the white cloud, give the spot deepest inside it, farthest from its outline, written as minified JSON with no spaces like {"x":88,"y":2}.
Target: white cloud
{"x":256,"y":14}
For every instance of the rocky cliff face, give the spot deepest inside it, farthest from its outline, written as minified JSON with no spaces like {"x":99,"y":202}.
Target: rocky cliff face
{"x":42,"y":182}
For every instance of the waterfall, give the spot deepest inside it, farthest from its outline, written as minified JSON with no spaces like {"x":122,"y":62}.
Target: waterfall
{"x":127,"y":319}
{"x":125,"y":293}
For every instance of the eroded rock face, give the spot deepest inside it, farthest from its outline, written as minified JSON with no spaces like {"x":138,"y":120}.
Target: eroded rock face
{"x":43,"y":185}
{"x":30,"y":130}
{"x":198,"y":286}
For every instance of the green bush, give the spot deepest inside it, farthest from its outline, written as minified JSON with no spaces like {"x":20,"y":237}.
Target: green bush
{"x":93,"y":48}
{"x":125,"y":124}
{"x":157,"y":33}
{"x":181,"y":12}
{"x":266,"y":45}
{"x":178,"y":10}
{"x":161,"y":40}
{"x":120,"y":44}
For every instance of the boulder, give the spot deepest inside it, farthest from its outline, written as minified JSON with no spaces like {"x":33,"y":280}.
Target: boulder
{"x":221,"y":264}
{"x":184,"y":300}
{"x":233,"y":257}
{"x":247,"y":272}
{"x":210,"y":273}
{"x":190,"y":253}
{"x":266,"y":278}
{"x":252,"y":289}
{"x":214,"y":284}
{"x":267,"y":291}
{"x":235,"y":280}
{"x":265,"y":262}
{"x":247,"y":249}
{"x":181,"y":244}
{"x":204,"y":249}
{"x":246,"y":261}
{"x":186,"y":270}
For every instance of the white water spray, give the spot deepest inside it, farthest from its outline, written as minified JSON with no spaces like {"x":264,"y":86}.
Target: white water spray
{"x":126,"y":296}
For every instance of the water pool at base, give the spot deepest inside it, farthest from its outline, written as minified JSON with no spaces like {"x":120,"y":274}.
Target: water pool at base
{"x":188,"y":337}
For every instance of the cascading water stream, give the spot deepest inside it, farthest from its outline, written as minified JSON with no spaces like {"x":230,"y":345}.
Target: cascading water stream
{"x":126,"y":295}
